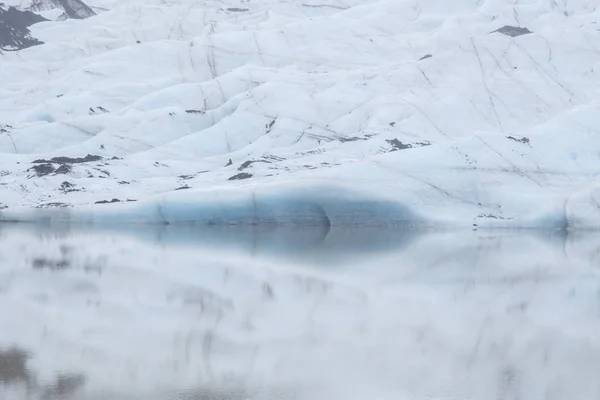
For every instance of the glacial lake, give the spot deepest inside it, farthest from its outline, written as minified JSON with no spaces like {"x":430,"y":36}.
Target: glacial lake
{"x":149,"y":313}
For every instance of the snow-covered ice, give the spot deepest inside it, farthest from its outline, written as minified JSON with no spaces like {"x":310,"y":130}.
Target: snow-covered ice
{"x":304,"y":314}
{"x":442,"y":113}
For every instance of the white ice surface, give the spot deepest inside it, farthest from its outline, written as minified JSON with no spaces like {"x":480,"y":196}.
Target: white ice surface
{"x":316,"y":89}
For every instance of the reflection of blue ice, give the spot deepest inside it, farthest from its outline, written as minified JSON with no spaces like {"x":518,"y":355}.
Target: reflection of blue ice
{"x":431,"y":313}
{"x":333,"y":244}
{"x":314,"y":242}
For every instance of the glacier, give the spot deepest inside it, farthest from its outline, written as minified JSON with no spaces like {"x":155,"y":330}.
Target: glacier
{"x":373,"y":113}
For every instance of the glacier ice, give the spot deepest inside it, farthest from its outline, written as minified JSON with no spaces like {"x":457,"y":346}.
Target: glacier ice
{"x":413,"y":112}
{"x":304,"y":206}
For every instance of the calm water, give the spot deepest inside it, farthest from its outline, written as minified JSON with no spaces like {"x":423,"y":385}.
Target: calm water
{"x":315,"y":314}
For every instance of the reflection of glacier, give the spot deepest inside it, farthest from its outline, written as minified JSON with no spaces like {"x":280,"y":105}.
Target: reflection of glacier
{"x":427,"y":314}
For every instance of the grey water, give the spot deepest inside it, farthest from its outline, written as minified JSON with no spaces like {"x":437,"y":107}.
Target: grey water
{"x":144,"y":312}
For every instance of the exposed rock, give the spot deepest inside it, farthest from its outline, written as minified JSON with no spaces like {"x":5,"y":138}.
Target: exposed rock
{"x":351,"y":139}
{"x":63,"y":169}
{"x":512,"y":31}
{"x":108,"y":201}
{"x":248,"y":163}
{"x":272,"y":157}
{"x":14,"y":29}
{"x":269,"y":126}
{"x":191,"y":176}
{"x":103,"y":171}
{"x":42,"y":169}
{"x":69,"y":160}
{"x":75,"y":9}
{"x":5,"y":128}
{"x":523,"y":140}
{"x":240,"y":176}
{"x":53,"y":205}
{"x":492,"y":216}
{"x":98,"y":109}
{"x":67,"y":187}
{"x":398,"y":145}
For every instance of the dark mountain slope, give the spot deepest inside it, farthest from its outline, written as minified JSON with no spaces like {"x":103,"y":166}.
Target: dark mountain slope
{"x":14,"y":29}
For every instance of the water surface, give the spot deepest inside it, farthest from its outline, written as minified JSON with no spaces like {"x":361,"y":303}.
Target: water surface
{"x":290,"y":313}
